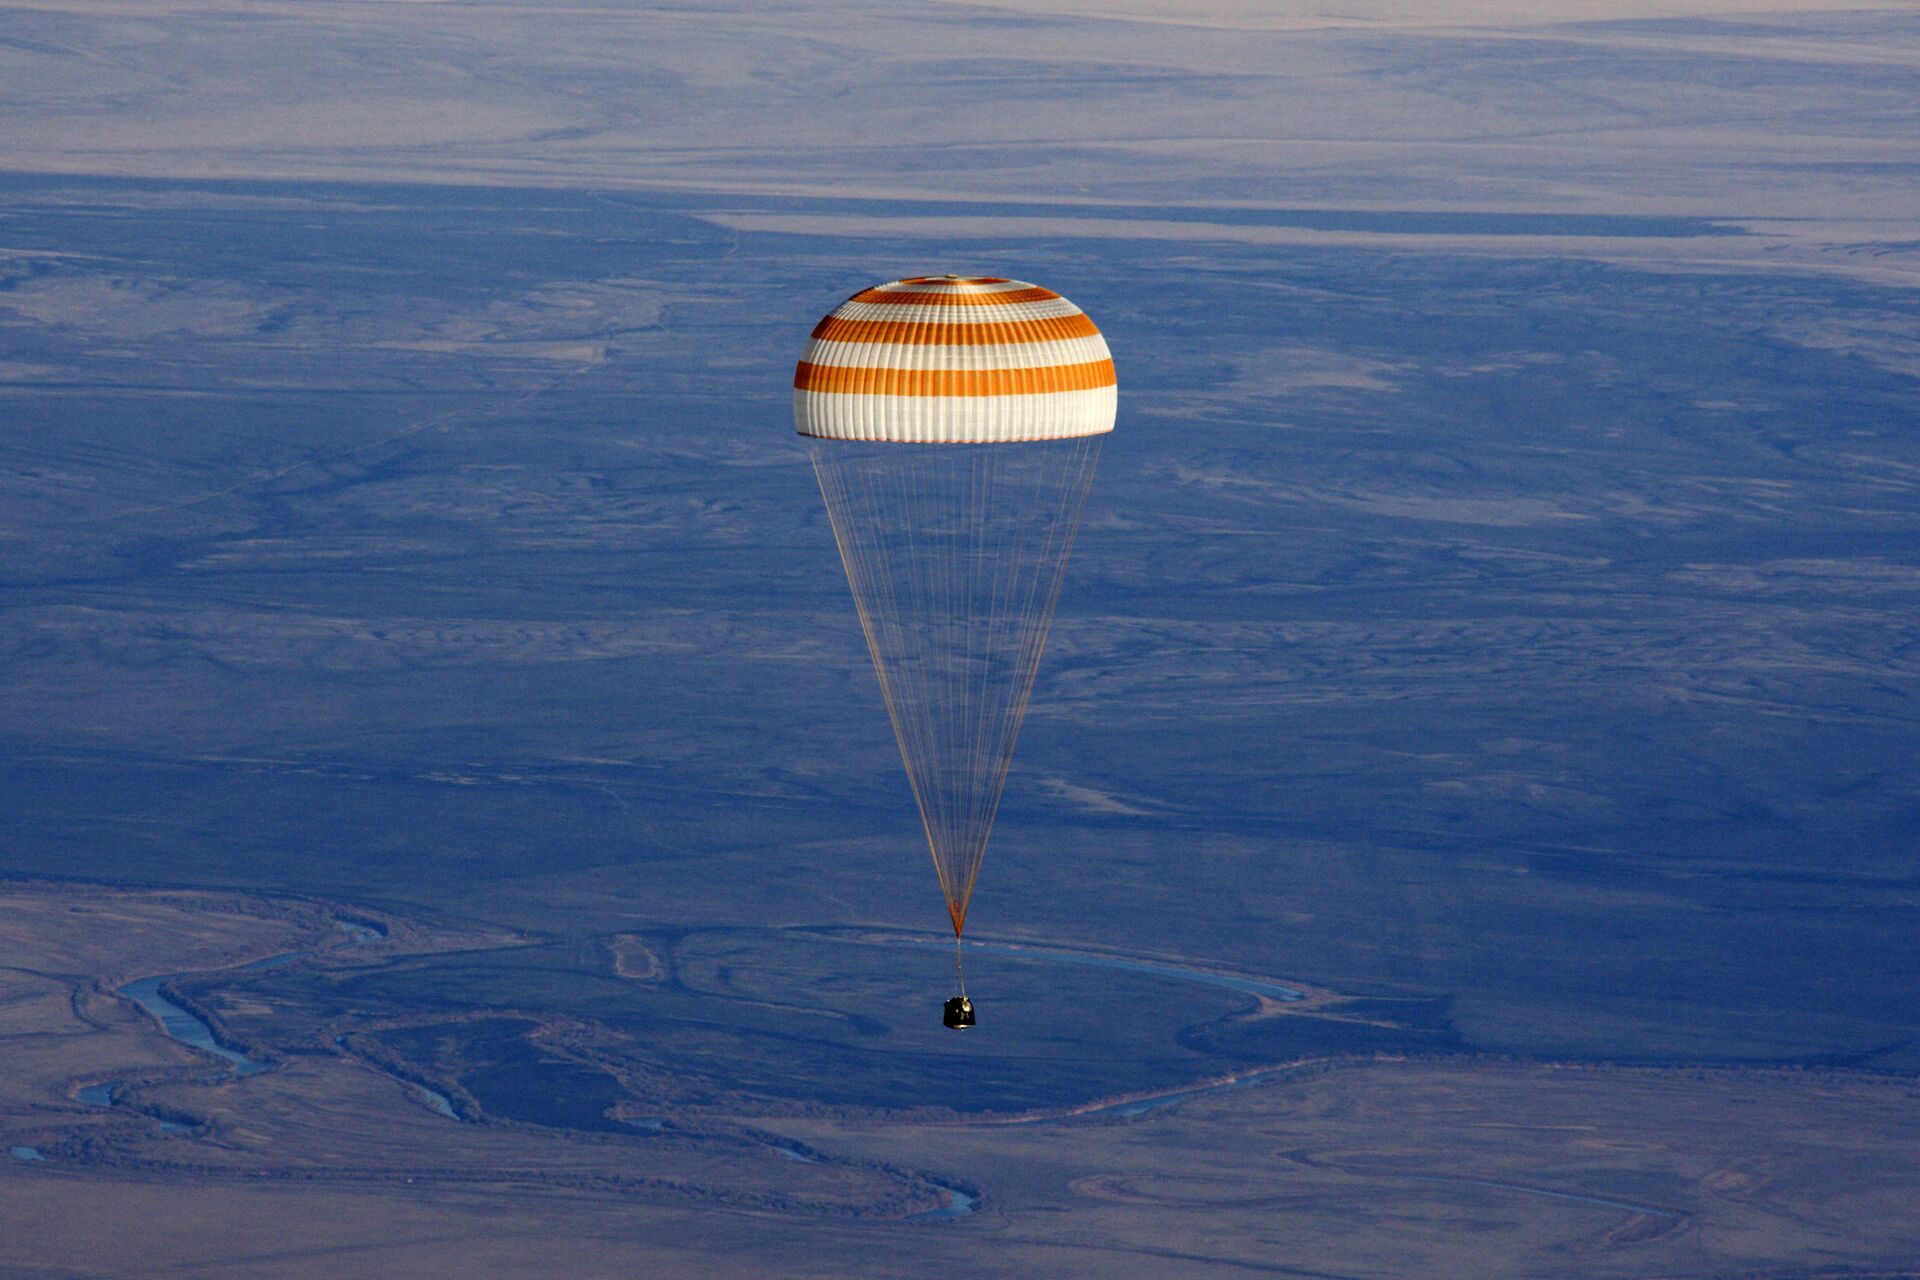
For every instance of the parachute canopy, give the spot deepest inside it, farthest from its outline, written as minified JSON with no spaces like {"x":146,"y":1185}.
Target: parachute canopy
{"x":947,"y":360}
{"x":956,"y":426}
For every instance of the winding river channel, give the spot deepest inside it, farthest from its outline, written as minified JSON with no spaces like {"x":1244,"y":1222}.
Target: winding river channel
{"x":189,"y":1028}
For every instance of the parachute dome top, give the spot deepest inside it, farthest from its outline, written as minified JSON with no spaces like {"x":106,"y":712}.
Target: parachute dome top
{"x":955,"y":360}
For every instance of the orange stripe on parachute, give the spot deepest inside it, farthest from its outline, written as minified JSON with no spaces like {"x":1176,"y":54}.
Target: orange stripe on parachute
{"x":992,"y":333}
{"x":953,"y":382}
{"x":1003,"y":299}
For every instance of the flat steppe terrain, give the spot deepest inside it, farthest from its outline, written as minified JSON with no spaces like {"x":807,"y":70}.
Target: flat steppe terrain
{"x":1349,"y":1165}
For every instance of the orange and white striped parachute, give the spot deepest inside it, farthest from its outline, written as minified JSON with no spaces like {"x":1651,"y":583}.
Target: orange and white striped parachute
{"x":955,"y":426}
{"x":946,"y":360}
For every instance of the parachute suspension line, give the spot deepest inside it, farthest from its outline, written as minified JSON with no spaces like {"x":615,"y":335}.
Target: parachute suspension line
{"x":871,"y":510}
{"x":1046,"y":575}
{"x":959,"y":973}
{"x":863,"y":566}
{"x":956,"y":556}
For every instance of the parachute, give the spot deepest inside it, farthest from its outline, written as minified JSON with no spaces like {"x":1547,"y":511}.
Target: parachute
{"x":955,"y":427}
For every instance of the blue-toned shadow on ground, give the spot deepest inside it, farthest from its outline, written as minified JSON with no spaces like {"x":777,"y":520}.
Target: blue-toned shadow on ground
{"x":1248,"y":986}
